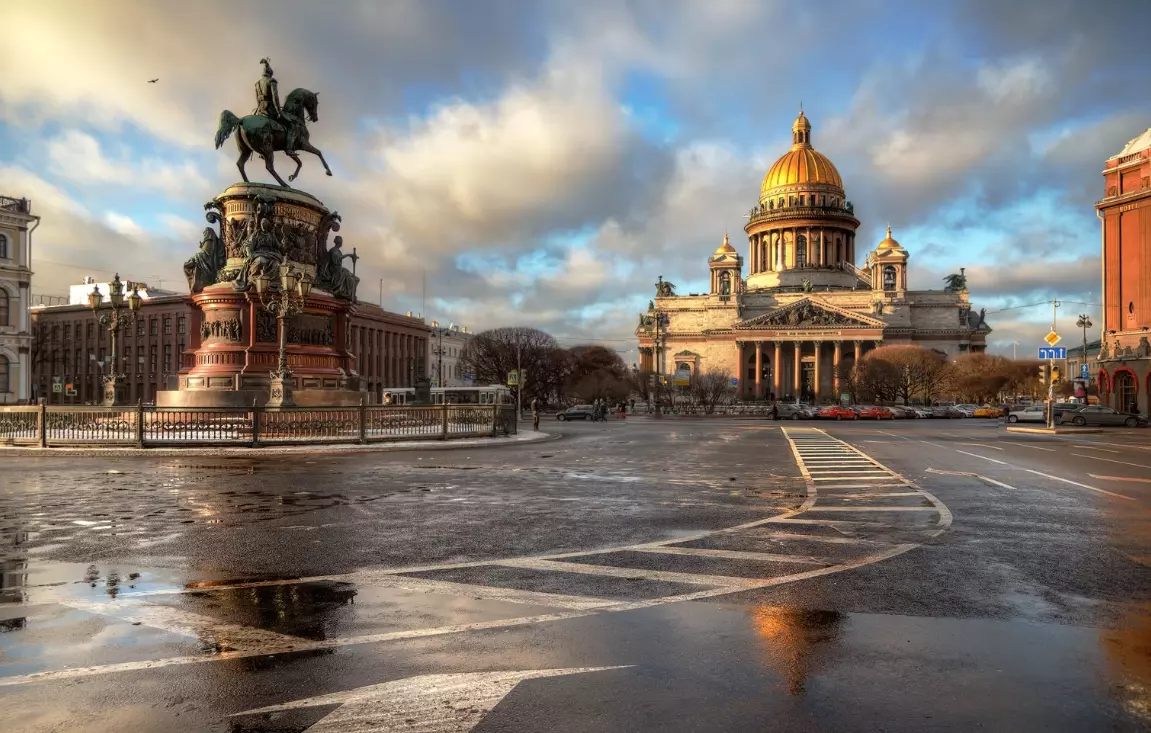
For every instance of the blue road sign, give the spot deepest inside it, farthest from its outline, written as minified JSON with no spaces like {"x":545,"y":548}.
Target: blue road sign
{"x":1055,"y":352}
{"x":735,"y":381}
{"x":1084,"y":372}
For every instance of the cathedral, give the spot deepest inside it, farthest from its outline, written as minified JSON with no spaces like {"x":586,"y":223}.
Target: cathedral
{"x":803,"y":311}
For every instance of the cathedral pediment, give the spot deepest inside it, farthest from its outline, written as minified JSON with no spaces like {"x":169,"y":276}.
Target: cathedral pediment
{"x":808,"y":313}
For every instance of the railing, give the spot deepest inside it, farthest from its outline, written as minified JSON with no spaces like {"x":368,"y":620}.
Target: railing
{"x":860,"y":274}
{"x":148,"y":427}
{"x":20,"y":206}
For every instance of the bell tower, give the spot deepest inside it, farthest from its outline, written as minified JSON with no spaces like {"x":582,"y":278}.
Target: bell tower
{"x":887,"y":264}
{"x":726,"y":271}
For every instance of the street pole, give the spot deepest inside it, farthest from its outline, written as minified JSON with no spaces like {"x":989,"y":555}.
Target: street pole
{"x":1014,"y":344}
{"x":658,"y":365}
{"x":519,"y":380}
{"x":440,"y":358}
{"x":1051,"y":374}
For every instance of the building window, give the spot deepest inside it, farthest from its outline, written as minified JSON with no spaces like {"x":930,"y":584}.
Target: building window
{"x":181,"y":325}
{"x":167,"y":358}
{"x":153,"y":327}
{"x":152,"y":357}
{"x":3,"y":373}
{"x":127,"y":358}
{"x":139,"y":328}
{"x":55,"y":332}
{"x":800,"y":251}
{"x":889,"y":277}
{"x":167,"y":325}
{"x":3,"y":248}
{"x":89,"y":330}
{"x":3,"y":308}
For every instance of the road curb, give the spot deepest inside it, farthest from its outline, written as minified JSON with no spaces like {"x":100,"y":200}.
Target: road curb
{"x":1054,"y":431}
{"x":338,"y":449}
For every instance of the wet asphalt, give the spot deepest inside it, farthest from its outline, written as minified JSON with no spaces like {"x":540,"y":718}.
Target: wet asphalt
{"x":166,"y":594}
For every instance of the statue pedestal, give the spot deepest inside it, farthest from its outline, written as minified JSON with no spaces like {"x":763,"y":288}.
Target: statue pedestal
{"x":235,"y":340}
{"x":235,"y":349}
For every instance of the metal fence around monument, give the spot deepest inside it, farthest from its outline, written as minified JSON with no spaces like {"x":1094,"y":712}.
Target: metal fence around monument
{"x":154,"y":427}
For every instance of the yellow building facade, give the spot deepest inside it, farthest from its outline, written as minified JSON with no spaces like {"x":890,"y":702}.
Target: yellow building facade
{"x":792,"y":322}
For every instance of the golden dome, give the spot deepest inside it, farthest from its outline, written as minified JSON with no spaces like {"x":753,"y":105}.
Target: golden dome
{"x":802,"y":164}
{"x":725,"y":248}
{"x":890,"y":242}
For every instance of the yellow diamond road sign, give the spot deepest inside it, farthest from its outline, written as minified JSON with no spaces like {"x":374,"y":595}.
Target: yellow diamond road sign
{"x":1052,"y":338}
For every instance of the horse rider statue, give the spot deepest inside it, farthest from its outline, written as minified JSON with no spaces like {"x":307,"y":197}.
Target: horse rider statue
{"x":268,"y":105}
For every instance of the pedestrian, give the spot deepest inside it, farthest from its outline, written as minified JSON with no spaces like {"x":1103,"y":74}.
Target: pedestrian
{"x":632,"y":404}
{"x":774,"y":410}
{"x":535,"y":413}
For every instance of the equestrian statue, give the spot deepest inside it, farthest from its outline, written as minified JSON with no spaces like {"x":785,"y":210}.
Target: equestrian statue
{"x":273,"y":126}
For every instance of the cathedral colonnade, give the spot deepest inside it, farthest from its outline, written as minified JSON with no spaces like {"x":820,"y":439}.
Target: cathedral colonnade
{"x":809,"y":369}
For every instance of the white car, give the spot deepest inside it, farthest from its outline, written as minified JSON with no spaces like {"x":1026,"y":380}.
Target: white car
{"x":1031,"y":413}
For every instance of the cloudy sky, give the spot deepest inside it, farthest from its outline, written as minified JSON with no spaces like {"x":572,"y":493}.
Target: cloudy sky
{"x":542,"y":162}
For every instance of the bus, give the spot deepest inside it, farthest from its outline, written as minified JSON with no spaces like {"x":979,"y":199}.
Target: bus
{"x":494,"y":394}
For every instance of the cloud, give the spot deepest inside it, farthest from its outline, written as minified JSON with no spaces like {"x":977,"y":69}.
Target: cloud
{"x":77,"y":157}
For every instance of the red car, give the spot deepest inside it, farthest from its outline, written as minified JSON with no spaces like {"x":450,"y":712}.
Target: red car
{"x":838,"y":412}
{"x":877,"y":413}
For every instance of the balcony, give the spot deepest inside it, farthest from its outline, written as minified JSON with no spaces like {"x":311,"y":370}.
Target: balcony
{"x":19,"y":206}
{"x":803,"y":212}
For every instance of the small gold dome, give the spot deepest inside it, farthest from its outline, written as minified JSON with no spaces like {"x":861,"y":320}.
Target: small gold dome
{"x":890,"y":242}
{"x":802,"y":164}
{"x":725,"y":248}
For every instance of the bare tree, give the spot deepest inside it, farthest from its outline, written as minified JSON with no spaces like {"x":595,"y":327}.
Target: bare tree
{"x":492,"y":355}
{"x":710,"y":388}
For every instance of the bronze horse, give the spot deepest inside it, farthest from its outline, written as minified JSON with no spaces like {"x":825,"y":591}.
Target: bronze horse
{"x":263,"y":136}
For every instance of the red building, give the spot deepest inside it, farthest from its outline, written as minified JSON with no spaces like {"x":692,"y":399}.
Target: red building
{"x":1125,"y":211}
{"x":70,"y":348}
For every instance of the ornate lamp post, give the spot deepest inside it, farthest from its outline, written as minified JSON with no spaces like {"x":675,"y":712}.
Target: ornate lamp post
{"x":1085,"y":323}
{"x":661,"y":321}
{"x":290,"y":298}
{"x":114,"y":321}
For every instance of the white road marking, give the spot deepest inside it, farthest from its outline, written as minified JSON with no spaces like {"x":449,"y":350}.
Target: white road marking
{"x":633,"y":573}
{"x":1122,"y":478}
{"x":1111,"y":460}
{"x":937,"y":445}
{"x":1089,"y":447}
{"x":512,"y":595}
{"x":736,"y":555}
{"x":1025,"y":445}
{"x":882,"y":477}
{"x":432,"y":703}
{"x":901,"y":437}
{"x":982,"y":445}
{"x":1076,"y":483}
{"x":976,"y":455}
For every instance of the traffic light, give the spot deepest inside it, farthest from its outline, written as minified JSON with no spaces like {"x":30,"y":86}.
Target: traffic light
{"x":1056,"y":375}
{"x":1043,"y":372}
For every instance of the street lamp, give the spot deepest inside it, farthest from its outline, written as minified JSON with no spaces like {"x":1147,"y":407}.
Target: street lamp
{"x":114,"y":321}
{"x":1085,"y":323}
{"x":661,"y":321}
{"x":289,"y":299}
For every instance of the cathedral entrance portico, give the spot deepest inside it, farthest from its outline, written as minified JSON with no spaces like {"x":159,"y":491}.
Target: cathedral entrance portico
{"x":786,"y":366}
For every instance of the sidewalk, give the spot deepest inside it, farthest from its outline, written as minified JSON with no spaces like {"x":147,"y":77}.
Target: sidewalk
{"x":521,"y":438}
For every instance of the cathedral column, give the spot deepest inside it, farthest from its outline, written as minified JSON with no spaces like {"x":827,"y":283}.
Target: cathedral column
{"x":835,"y":357}
{"x":777,"y":370}
{"x":758,"y":369}
{"x":739,"y":370}
{"x":858,"y":351}
{"x":818,"y":371}
{"x":797,"y":377}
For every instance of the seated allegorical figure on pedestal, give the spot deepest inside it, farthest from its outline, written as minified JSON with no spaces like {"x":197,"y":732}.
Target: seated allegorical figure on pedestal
{"x":261,"y":253}
{"x":331,"y":276}
{"x":203,"y":268}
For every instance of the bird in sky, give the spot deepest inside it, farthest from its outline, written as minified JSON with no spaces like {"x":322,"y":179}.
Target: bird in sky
{"x":153,"y":81}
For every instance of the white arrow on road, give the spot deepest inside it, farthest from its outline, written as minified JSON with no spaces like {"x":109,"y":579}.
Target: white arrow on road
{"x":431,"y":703}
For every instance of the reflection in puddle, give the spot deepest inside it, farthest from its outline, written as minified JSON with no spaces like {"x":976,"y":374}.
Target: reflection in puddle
{"x":793,"y":639}
{"x":1128,"y":653}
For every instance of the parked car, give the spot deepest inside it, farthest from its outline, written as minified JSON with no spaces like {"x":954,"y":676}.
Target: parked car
{"x":988,"y":411}
{"x":1030,"y":413}
{"x":967,"y":410}
{"x":577,"y":412}
{"x":837,"y":412}
{"x":921,"y":412}
{"x":948,"y":411}
{"x":1062,"y":407}
{"x":873,"y":412}
{"x":1099,"y":415}
{"x":903,"y":412}
{"x":792,"y":411}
